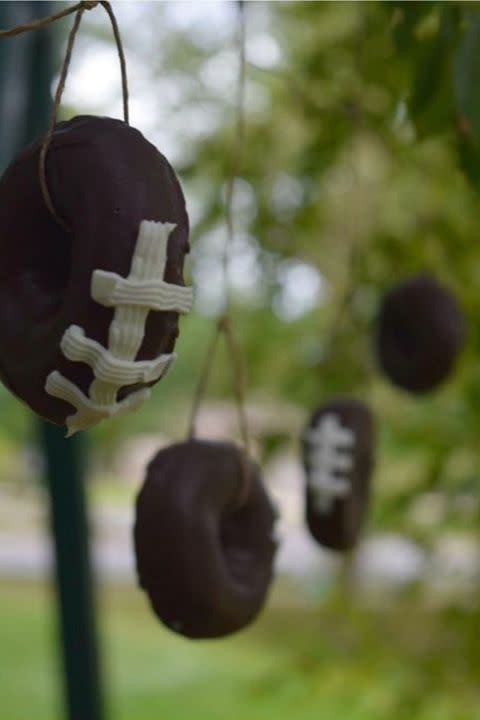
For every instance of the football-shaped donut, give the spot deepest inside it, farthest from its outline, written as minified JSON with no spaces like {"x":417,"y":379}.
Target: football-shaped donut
{"x":204,"y":538}
{"x":338,"y":456}
{"x":420,"y":332}
{"x":89,"y":314}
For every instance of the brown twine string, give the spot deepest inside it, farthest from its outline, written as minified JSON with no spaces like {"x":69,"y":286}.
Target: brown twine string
{"x":53,"y":119}
{"x":61,"y":86}
{"x":121,"y":56}
{"x":224,"y":325}
{"x":43,"y":22}
{"x":79,"y":8}
{"x":202,"y":384}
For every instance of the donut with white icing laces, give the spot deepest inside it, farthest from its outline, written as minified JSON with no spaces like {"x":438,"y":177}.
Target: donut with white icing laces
{"x":89,"y":311}
{"x":204,"y":538}
{"x":338,"y":455}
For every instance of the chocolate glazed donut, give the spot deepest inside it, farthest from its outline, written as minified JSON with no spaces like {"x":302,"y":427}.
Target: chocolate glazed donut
{"x":204,"y":550}
{"x":420,"y":332}
{"x":338,"y":456}
{"x":89,"y":316}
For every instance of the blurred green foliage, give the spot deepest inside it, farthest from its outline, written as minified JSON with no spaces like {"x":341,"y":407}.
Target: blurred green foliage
{"x":362,"y":162}
{"x":352,"y":663}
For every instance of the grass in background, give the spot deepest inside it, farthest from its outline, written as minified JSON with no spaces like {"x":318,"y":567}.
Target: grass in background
{"x":337,"y":662}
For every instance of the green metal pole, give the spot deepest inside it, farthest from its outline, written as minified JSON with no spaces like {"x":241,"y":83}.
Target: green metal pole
{"x":26,"y":71}
{"x":65,"y":476}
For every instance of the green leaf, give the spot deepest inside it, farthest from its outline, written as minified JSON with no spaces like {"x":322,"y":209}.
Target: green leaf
{"x":406,"y":17}
{"x":466,"y":78}
{"x":432,"y":101}
{"x":469,"y":157}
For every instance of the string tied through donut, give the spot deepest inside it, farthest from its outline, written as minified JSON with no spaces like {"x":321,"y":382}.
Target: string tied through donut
{"x":224,"y":324}
{"x":79,"y":8}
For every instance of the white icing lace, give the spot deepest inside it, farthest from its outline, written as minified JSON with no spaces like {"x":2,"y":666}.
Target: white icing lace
{"x":114,"y":367}
{"x":329,"y":454}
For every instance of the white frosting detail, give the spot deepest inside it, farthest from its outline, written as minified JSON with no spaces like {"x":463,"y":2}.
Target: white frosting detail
{"x":329,"y":455}
{"x":115,"y":366}
{"x":76,"y":346}
{"x":111,"y":289}
{"x":89,"y":413}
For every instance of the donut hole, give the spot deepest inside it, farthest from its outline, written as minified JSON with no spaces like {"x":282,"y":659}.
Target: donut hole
{"x":45,"y":272}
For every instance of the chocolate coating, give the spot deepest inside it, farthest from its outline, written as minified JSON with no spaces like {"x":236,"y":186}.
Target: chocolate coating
{"x":104,"y":179}
{"x":420,"y":332}
{"x":204,"y":555}
{"x":339,"y":523}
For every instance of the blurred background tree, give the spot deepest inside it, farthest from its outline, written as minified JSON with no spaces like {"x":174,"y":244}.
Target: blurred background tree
{"x":361,"y":166}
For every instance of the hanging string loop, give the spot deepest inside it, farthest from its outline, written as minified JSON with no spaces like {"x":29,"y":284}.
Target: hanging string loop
{"x":79,"y":8}
{"x":224,"y":325}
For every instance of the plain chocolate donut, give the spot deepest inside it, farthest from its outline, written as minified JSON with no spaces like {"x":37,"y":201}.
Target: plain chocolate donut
{"x":204,"y":550}
{"x":420,"y":332}
{"x":105,"y":179}
{"x":338,"y":455}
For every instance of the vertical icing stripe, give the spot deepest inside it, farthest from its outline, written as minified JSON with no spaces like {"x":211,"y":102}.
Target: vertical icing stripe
{"x":114,"y":367}
{"x":329,"y":452}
